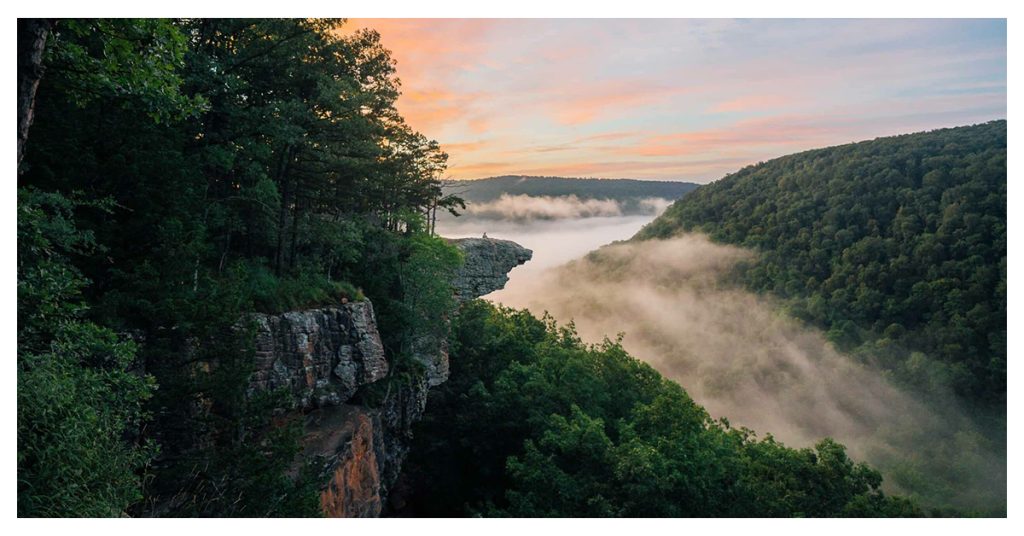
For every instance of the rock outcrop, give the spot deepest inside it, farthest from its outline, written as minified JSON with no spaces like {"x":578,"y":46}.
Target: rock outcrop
{"x":346,"y":441}
{"x":322,"y":357}
{"x":485,"y":269}
{"x":488,"y":262}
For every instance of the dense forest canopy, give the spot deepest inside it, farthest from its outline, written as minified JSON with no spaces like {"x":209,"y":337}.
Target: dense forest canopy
{"x":179,"y":174}
{"x":896,"y":247}
{"x":533,"y":422}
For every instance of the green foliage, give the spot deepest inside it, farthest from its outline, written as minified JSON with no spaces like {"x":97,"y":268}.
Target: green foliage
{"x":306,"y":290}
{"x":79,"y":399}
{"x":408,"y":278}
{"x":896,"y":247}
{"x":425,"y":278}
{"x":218,"y":166}
{"x":138,"y":60}
{"x":249,"y":471}
{"x":598,"y":433}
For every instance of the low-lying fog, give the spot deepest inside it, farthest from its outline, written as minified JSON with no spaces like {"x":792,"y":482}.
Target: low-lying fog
{"x":737,"y":356}
{"x":554,"y":242}
{"x":523,"y":208}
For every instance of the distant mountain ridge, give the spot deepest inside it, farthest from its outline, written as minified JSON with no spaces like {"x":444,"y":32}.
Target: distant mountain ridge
{"x":491,"y":188}
{"x":526,"y":198}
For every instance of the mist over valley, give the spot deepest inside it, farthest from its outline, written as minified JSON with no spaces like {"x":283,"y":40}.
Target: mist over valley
{"x":678,"y":302}
{"x":257,"y":277}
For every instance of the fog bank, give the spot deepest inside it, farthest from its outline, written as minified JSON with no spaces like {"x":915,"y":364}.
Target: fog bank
{"x":553,"y":242}
{"x":741,"y":359}
{"x":527,"y":208}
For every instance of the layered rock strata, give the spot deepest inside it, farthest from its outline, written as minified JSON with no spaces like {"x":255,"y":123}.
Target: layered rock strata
{"x":488,"y":262}
{"x":322,"y":357}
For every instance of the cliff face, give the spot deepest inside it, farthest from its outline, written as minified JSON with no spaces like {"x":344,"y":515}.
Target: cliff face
{"x":488,"y":262}
{"x":323,"y":356}
{"x":346,"y":441}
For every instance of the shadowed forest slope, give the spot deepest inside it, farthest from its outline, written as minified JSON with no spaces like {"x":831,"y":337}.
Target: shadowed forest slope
{"x":896,"y":247}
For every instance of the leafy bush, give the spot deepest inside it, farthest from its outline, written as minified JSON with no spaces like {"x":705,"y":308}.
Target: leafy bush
{"x":79,"y":397}
{"x":271,"y":294}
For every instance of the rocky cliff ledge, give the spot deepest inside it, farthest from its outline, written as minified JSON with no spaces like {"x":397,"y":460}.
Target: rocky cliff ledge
{"x":486,"y":265}
{"x":323,"y":356}
{"x":488,"y":262}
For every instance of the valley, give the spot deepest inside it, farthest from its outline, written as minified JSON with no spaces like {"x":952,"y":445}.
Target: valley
{"x":679,"y":301}
{"x":259,"y":275}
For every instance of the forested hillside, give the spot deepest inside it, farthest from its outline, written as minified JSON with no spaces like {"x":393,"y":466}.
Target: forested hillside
{"x":896,"y":247}
{"x":533,"y":422}
{"x":179,"y":174}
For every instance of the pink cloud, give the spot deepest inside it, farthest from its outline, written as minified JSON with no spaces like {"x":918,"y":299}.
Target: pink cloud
{"x":572,"y":105}
{"x":703,"y":169}
{"x":745,"y":135}
{"x":427,"y":52}
{"x":648,"y":98}
{"x":750,"y":102}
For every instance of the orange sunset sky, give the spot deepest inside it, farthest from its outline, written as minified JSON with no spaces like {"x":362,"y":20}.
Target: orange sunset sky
{"x":682,"y":99}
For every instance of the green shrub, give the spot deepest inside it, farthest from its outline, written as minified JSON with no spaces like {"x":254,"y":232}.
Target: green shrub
{"x":79,"y":401}
{"x":271,"y":294}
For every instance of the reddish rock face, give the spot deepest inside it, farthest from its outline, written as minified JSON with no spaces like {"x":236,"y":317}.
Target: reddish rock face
{"x":354,"y":488}
{"x":346,"y":438}
{"x":323,"y":356}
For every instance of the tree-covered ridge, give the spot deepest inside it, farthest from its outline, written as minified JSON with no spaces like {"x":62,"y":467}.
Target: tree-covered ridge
{"x":896,"y":246}
{"x":533,"y":422}
{"x":181,"y":174}
{"x":178,"y":175}
{"x":491,"y":188}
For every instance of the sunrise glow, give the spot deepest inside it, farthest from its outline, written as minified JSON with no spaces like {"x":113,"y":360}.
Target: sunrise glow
{"x":682,"y":99}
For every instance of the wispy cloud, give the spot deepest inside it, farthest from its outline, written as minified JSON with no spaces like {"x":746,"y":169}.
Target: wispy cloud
{"x":751,"y":103}
{"x":681,"y":99}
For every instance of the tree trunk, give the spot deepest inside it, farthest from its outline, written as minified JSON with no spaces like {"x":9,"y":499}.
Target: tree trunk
{"x":295,"y":235}
{"x":282,"y":215}
{"x":32,"y":35}
{"x":433,"y":218}
{"x":282,"y":224}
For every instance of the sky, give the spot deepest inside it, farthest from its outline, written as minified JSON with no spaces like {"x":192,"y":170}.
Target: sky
{"x":682,"y":99}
